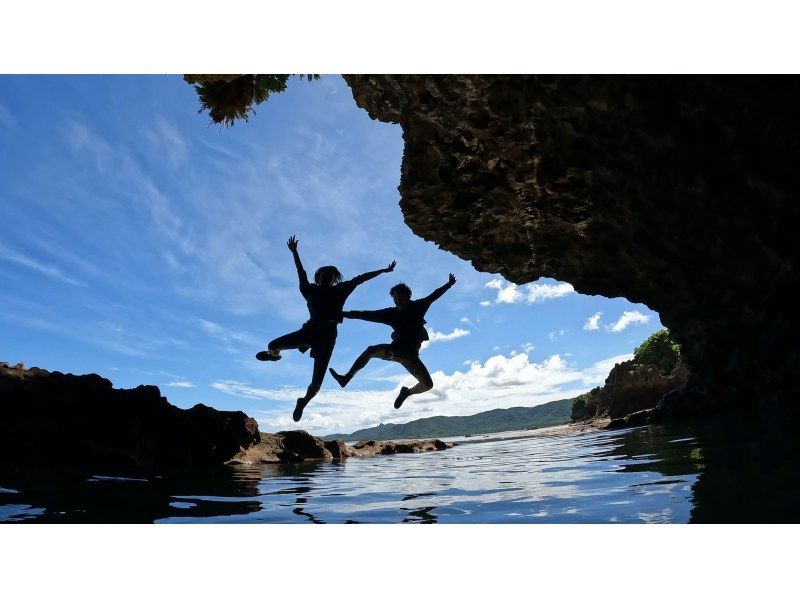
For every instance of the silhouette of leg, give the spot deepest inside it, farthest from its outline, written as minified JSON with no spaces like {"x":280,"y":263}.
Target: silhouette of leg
{"x":294,"y":340}
{"x":322,"y":357}
{"x":417,"y":369}
{"x":379,"y":351}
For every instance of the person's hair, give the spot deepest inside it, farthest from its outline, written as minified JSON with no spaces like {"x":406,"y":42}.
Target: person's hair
{"x":400,"y":289}
{"x":331,"y":271}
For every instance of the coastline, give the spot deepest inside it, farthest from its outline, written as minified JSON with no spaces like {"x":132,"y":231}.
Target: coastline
{"x":569,"y":429}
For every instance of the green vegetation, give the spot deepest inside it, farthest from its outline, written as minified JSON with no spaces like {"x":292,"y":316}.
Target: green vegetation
{"x":660,"y":350}
{"x":230,"y":97}
{"x":585,"y":405}
{"x":496,"y":420}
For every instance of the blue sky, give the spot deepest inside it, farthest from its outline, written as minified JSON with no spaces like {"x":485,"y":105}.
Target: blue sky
{"x":141,"y":243}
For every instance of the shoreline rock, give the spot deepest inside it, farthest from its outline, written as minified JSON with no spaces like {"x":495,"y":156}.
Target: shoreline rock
{"x":54,"y":421}
{"x":65,"y":421}
{"x":295,"y":446}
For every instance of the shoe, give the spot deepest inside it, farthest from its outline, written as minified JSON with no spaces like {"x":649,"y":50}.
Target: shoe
{"x":298,"y":409}
{"x":342,"y":380}
{"x":401,"y":397}
{"x":267,"y":356}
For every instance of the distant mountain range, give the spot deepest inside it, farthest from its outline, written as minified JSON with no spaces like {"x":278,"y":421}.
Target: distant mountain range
{"x":496,"y":420}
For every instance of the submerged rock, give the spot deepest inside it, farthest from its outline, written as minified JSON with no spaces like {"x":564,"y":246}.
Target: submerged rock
{"x":680,"y":192}
{"x":64,"y":421}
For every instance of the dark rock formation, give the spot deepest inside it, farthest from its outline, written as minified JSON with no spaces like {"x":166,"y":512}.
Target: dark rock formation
{"x":298,"y":445}
{"x":676,"y":192}
{"x":63,"y":421}
{"x":630,"y":387}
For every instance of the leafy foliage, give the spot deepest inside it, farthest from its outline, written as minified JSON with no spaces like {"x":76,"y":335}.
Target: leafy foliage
{"x":228,"y":98}
{"x":585,"y":405}
{"x":659,"y":349}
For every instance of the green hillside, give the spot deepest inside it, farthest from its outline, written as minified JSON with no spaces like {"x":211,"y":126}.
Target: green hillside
{"x":496,"y":420}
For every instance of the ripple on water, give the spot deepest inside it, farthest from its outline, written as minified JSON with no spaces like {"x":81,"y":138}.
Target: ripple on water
{"x":643,"y":475}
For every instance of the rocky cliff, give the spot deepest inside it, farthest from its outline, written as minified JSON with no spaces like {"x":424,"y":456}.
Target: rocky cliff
{"x":63,"y":421}
{"x":676,"y":192}
{"x":629,"y":387}
{"x":55,"y":421}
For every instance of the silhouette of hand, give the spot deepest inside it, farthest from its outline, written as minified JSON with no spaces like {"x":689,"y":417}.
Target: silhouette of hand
{"x":452,"y":279}
{"x":390,"y":267}
{"x":292,"y":243}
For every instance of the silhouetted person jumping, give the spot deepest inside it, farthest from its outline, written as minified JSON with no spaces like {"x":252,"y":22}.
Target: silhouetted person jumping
{"x":407,"y":320}
{"x":325,"y":299}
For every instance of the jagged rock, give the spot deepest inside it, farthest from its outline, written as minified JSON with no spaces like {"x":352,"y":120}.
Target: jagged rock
{"x":637,"y":418}
{"x":50,"y":419}
{"x":392,"y":447}
{"x":632,"y":387}
{"x":337,"y":448}
{"x":303,"y":445}
{"x":679,"y":192}
{"x":298,"y":445}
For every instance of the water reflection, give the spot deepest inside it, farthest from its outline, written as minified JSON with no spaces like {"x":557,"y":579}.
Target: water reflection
{"x":722,"y":471}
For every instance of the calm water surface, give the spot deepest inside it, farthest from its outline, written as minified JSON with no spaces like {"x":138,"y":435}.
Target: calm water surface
{"x":655,"y":474}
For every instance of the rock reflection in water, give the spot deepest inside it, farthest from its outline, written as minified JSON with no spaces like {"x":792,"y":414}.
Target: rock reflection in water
{"x":720,"y":471}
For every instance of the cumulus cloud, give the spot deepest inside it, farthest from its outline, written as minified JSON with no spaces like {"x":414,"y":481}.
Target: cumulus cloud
{"x":628,"y":318}
{"x":593,"y":322}
{"x":443,"y":337}
{"x":499,"y":382}
{"x":508,"y":292}
{"x":544,"y":292}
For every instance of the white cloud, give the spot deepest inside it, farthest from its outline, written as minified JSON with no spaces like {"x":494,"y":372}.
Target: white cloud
{"x":499,"y":382}
{"x":181,"y":384}
{"x":466,"y":320}
{"x":593,"y":322}
{"x":556,"y":333}
{"x":543,"y":292}
{"x":53,"y":272}
{"x":628,"y":318}
{"x":443,"y":337}
{"x":508,"y":292}
{"x":528,"y":347}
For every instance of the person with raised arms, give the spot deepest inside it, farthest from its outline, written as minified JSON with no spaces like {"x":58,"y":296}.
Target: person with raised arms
{"x":325,"y":298}
{"x":407,"y":319}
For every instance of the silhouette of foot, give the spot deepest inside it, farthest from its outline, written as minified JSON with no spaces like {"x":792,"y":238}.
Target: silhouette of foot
{"x":267,"y":356}
{"x":401,"y":397}
{"x":341,"y":379}
{"x":298,"y":409}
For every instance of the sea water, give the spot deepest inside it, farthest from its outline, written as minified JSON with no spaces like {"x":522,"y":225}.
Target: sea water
{"x":655,"y":474}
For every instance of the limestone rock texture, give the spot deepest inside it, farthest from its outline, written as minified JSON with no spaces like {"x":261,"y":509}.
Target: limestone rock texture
{"x":633,"y":387}
{"x":68,"y":422}
{"x":679,"y":192}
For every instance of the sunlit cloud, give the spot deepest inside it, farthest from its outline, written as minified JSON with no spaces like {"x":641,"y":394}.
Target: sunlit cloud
{"x":508,"y":292}
{"x":593,"y":322}
{"x":498,"y":382}
{"x":443,"y":337}
{"x":628,"y":318}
